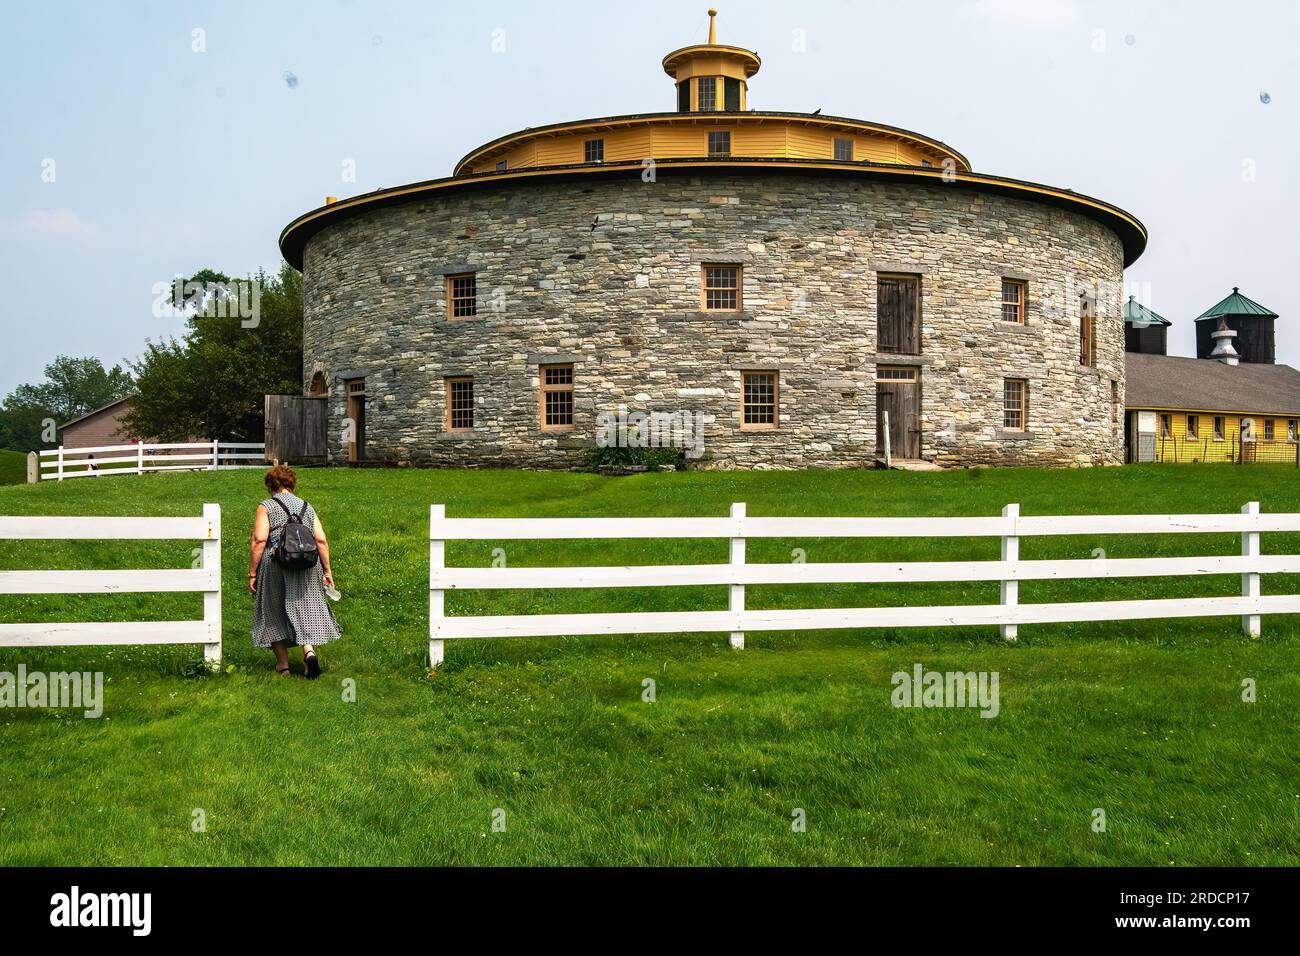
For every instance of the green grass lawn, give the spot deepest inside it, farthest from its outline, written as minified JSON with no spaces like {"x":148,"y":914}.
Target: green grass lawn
{"x":1142,"y":719}
{"x":13,"y":467}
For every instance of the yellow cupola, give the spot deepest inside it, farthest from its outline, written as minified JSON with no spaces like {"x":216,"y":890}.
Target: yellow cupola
{"x":711,"y":77}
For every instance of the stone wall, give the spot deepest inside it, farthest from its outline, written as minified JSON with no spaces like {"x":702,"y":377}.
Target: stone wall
{"x":606,"y":274}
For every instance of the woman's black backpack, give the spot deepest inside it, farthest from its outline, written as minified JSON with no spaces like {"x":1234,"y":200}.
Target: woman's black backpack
{"x":297,"y":548}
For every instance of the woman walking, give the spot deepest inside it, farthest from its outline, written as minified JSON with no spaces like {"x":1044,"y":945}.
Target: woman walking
{"x":289,"y":605}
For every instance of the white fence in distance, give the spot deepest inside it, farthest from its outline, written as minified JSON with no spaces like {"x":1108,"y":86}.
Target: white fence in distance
{"x":205,"y":578}
{"x":141,"y":457}
{"x":1008,"y":614}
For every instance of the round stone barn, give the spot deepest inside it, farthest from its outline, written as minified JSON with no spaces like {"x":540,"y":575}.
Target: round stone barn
{"x":768,"y":289}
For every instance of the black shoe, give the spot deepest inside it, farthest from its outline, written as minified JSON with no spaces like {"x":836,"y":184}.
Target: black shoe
{"x":313,"y":666}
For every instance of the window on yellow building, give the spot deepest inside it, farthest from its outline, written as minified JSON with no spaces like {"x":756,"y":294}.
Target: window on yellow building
{"x":1268,"y":429}
{"x":720,"y":143}
{"x":593,"y":151}
{"x":731,"y":95}
{"x":1220,"y":428}
{"x":1292,"y":429}
{"x":1193,"y":427}
{"x":706,"y":93}
{"x":1166,"y":425}
{"x":844,"y":150}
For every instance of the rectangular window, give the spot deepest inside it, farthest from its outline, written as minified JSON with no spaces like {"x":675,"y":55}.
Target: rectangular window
{"x":758,"y":400}
{"x":720,"y":288}
{"x":1292,"y":429}
{"x":1268,"y":429}
{"x":895,"y":374}
{"x":1013,"y":301}
{"x":720,"y":143}
{"x":460,"y":404}
{"x":844,"y":150}
{"x":684,"y":96}
{"x":898,"y":314}
{"x":1166,"y":425}
{"x":556,"y":397}
{"x":1193,"y":427}
{"x":462,"y":296}
{"x":1114,"y":401}
{"x":501,"y":166}
{"x":926,"y":162}
{"x":731,"y":95}
{"x":706,"y":93}
{"x":1220,"y":427}
{"x":1087,"y":331}
{"x":1015,"y":399}
{"x":593,"y":151}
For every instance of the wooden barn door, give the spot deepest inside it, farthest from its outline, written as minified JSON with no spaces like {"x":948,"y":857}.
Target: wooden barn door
{"x":898,"y":393}
{"x":898,"y":314}
{"x":295,"y":427}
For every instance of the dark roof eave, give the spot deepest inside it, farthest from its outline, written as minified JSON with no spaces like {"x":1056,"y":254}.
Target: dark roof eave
{"x":1131,"y":232}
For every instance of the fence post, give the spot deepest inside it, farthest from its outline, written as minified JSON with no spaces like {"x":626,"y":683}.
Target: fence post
{"x":59,"y":472}
{"x":1250,"y":581}
{"x":214,"y":455}
{"x":212,"y":598}
{"x":139,"y":458}
{"x":1010,"y":588}
{"x":33,"y":468}
{"x":737,"y":639}
{"x":437,"y":561}
{"x":888,"y":462}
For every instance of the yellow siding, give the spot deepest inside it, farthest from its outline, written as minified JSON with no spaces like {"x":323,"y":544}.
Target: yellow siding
{"x":671,"y":139}
{"x":633,"y":144}
{"x":1178,"y":445}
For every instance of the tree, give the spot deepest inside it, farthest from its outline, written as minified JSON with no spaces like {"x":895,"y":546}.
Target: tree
{"x":211,"y":383}
{"x":72,"y":387}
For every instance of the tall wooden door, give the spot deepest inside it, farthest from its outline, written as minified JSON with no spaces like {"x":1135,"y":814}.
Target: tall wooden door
{"x":356,"y":423}
{"x":898,"y":401}
{"x":898,"y":314}
{"x":295,"y":427}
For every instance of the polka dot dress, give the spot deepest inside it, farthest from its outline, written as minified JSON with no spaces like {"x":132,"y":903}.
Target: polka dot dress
{"x":290,"y":606}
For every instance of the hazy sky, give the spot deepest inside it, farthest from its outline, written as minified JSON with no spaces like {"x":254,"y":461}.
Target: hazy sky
{"x":166,"y":160}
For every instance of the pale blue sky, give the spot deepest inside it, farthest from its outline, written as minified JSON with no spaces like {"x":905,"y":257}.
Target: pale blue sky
{"x":168,"y":160}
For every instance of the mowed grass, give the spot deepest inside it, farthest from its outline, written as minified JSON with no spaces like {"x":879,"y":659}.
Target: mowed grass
{"x":1144,"y":720}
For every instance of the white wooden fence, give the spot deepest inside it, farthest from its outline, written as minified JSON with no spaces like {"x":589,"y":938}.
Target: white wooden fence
{"x":59,"y":463}
{"x":205,"y":578}
{"x":1010,"y":570}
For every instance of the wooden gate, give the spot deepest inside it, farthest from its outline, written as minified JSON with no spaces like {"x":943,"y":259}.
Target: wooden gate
{"x":295,"y":428}
{"x":898,"y":392}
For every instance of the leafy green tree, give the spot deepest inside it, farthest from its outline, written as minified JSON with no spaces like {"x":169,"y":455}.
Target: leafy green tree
{"x":211,"y":382}
{"x":72,"y":387}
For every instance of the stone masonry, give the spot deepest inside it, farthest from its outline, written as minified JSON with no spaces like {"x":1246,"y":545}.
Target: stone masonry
{"x":605,"y":273}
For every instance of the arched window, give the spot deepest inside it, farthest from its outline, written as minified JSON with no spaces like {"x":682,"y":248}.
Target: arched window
{"x":318,"y":386}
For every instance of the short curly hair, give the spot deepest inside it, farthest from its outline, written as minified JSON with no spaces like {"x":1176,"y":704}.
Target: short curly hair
{"x":281,"y":478}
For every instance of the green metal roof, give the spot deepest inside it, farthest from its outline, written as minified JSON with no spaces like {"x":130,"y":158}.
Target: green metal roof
{"x":1235,"y":304}
{"x":1137,"y":314}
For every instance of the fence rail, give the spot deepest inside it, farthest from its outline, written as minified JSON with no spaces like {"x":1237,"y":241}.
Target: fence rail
{"x":137,"y":459}
{"x":1010,"y":527}
{"x":1182,"y":449}
{"x":205,"y":579}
